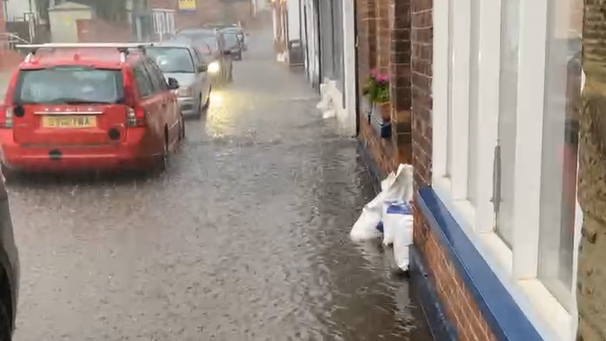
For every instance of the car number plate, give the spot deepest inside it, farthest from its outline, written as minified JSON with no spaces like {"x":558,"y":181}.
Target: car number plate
{"x":69,"y":121}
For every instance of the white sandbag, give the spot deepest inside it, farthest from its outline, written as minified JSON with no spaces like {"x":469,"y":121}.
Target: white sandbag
{"x":388,"y":222}
{"x":402,"y":257}
{"x":398,"y":227}
{"x":365,"y":227}
{"x":397,"y":186}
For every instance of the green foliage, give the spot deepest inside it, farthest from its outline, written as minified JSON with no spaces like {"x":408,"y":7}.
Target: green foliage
{"x":376,"y":87}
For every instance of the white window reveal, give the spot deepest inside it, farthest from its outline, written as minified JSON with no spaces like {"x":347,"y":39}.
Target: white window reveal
{"x":507,"y":82}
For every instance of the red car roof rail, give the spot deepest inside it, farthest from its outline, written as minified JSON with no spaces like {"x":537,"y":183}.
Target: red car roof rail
{"x":123,"y":48}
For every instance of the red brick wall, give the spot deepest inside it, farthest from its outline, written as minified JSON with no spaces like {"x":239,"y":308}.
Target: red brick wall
{"x":382,"y":150}
{"x":97,"y":30}
{"x":459,"y":305}
{"x":421,"y":72}
{"x":383,"y":35}
{"x":207,"y":11}
{"x":400,"y":77}
{"x":364,"y":23}
{"x":384,"y":44}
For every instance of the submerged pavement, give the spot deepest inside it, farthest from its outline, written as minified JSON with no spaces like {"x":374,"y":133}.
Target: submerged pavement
{"x":245,"y":237}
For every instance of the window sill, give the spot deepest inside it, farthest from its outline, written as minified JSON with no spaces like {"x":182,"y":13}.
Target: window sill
{"x":543,"y":309}
{"x":549,"y":308}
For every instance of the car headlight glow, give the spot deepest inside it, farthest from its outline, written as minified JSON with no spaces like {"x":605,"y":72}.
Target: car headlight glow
{"x":184,"y":92}
{"x":213,"y":67}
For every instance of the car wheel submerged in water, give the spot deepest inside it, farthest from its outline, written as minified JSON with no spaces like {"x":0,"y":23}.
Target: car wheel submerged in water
{"x":9,"y":175}
{"x":5,"y":323}
{"x":164,"y":158}
{"x":207,"y":103}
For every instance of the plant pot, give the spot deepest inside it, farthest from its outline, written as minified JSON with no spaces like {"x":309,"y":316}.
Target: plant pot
{"x":383,"y":110}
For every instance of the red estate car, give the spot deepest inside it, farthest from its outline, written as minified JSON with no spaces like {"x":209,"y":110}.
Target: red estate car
{"x":80,"y":107}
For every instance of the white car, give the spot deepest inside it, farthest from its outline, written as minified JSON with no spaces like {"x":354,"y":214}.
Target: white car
{"x":184,"y":63}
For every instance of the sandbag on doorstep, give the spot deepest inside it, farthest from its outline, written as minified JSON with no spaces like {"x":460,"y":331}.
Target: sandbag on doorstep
{"x":398,"y":225}
{"x":397,"y":186}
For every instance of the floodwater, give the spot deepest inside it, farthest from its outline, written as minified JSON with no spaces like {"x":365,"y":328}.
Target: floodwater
{"x":245,"y":237}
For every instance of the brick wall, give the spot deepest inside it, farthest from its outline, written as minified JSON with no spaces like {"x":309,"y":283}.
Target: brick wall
{"x":365,"y":22}
{"x":400,"y":77}
{"x":382,"y":150}
{"x":457,"y":301}
{"x":382,"y":35}
{"x":384,"y":44}
{"x":421,"y":73}
{"x":97,"y":30}
{"x":207,"y":11}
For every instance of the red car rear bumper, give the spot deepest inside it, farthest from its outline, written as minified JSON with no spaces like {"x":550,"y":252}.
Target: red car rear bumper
{"x":131,"y":154}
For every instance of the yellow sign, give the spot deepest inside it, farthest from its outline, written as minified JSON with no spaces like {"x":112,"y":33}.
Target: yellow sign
{"x":69,"y":122}
{"x":187,"y":5}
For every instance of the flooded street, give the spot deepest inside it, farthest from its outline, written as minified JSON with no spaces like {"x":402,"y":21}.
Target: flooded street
{"x":245,"y":237}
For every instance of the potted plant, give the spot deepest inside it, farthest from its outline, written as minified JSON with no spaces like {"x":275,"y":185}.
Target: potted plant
{"x":376,"y":89}
{"x":381,"y":100}
{"x":368,"y":92}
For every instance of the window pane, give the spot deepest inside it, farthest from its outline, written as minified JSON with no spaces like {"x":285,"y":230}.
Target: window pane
{"x":508,"y":100}
{"x":78,"y":84}
{"x":172,"y":59}
{"x":560,"y":147}
{"x":450,"y":92}
{"x":473,"y":101}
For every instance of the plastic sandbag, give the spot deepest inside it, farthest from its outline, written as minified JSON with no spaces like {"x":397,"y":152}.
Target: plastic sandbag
{"x":365,"y":227}
{"x":397,"y":186}
{"x":399,"y":220}
{"x":389,"y":224}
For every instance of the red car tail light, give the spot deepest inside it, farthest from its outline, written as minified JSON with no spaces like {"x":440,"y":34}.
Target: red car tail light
{"x":136,"y":117}
{"x":6,"y":117}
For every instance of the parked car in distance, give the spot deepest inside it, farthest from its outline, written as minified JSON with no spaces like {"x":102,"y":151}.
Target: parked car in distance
{"x":186,"y":64}
{"x":89,"y":107}
{"x":233,"y":44}
{"x":220,"y":64}
{"x":241,"y":36}
{"x":9,"y":272}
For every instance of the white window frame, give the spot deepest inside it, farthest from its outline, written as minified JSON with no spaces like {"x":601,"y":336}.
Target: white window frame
{"x":516,"y":269}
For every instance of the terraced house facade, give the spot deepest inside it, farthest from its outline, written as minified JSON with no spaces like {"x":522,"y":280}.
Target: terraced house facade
{"x":484,"y":101}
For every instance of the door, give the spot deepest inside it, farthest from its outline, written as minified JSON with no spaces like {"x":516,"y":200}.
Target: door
{"x":169,"y":114}
{"x":202,"y":81}
{"x":306,"y":43}
{"x":148,"y":100}
{"x":319,"y":49}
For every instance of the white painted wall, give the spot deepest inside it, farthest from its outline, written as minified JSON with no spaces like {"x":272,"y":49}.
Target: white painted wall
{"x":294,"y":19}
{"x":348,"y":120}
{"x":332,"y":97}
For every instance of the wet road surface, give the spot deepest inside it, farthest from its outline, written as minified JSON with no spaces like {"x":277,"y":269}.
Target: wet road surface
{"x":244,"y":238}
